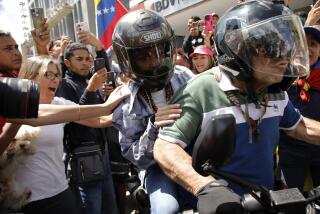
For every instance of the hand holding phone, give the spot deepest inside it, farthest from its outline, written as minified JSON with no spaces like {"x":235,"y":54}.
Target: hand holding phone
{"x":208,"y":22}
{"x":37,"y":15}
{"x":111,"y":79}
{"x":100,"y":63}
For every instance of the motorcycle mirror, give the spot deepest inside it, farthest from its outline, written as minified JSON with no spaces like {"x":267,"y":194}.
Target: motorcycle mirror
{"x":216,"y":142}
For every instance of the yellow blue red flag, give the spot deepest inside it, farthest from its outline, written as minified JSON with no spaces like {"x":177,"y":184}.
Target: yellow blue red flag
{"x":108,"y":12}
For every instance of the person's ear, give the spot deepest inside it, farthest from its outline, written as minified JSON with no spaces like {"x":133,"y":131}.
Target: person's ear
{"x":67,"y":63}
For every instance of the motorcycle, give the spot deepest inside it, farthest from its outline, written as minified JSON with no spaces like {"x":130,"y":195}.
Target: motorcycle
{"x":213,"y":149}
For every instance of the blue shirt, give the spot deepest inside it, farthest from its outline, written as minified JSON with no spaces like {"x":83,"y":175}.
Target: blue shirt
{"x":204,"y":98}
{"x":132,"y":119}
{"x":310,"y":109}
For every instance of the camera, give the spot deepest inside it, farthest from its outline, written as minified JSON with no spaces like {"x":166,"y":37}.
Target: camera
{"x":19,"y":98}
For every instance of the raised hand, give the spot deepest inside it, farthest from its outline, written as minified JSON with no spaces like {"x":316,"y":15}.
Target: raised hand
{"x":89,"y":38}
{"x":65,"y":41}
{"x":313,"y":15}
{"x":41,"y":37}
{"x":120,"y":93}
{"x":97,"y":80}
{"x":207,"y":35}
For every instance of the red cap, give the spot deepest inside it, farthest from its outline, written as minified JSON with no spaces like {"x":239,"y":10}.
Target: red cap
{"x":202,"y":50}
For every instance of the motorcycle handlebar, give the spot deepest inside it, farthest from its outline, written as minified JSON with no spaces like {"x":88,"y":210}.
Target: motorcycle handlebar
{"x":250,"y":204}
{"x":281,"y":201}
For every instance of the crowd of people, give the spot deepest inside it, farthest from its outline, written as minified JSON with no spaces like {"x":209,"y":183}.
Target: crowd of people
{"x":98,"y":140}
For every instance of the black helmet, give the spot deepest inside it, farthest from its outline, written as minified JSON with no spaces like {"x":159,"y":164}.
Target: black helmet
{"x":144,"y":43}
{"x":259,"y":28}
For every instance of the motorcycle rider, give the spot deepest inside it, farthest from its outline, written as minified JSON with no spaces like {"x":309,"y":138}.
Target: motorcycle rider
{"x":259,"y":54}
{"x":144,"y":44}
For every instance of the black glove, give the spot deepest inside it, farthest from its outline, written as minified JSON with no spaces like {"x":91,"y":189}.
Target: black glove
{"x":216,"y":197}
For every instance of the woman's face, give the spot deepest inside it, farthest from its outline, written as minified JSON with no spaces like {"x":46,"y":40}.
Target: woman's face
{"x":49,"y":83}
{"x":201,"y":62}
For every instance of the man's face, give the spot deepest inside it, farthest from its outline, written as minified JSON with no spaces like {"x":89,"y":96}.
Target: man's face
{"x":268,"y":71}
{"x":149,"y":59}
{"x":80,"y":62}
{"x":193,"y":28}
{"x":314,"y":48}
{"x":10,"y":56}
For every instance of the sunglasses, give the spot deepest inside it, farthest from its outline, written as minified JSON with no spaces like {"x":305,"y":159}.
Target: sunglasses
{"x":51,"y":75}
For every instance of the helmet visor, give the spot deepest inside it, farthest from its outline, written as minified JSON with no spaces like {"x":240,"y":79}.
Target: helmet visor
{"x":276,"y":46}
{"x":153,"y":61}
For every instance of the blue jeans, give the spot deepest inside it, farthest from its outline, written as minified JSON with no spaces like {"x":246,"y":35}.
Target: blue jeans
{"x":165,"y":195}
{"x":93,"y":195}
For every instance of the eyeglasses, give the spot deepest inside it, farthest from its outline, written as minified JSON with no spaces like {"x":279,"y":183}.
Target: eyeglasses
{"x":51,"y":75}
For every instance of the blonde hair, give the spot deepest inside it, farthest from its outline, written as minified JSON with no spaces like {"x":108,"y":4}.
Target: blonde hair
{"x":36,"y":66}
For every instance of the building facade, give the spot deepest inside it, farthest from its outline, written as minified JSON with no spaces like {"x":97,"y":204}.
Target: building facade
{"x":63,"y":15}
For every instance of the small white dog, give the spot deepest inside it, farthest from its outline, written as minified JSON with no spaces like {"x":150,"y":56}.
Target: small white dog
{"x":18,"y":150}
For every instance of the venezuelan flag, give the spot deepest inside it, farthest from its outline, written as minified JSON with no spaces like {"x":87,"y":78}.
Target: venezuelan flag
{"x":108,"y":12}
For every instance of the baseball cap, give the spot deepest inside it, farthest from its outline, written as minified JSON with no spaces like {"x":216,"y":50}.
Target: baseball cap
{"x":203,"y":50}
{"x":314,"y":31}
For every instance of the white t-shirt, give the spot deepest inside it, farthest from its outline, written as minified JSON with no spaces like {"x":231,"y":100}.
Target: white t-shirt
{"x":44,"y":172}
{"x":159,"y":98}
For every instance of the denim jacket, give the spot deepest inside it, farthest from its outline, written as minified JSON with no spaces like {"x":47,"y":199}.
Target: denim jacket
{"x":132,"y":119}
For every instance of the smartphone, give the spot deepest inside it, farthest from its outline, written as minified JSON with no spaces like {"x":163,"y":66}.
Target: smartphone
{"x":208,"y":22}
{"x":37,"y":15}
{"x":111,"y":79}
{"x":82,"y":26}
{"x":99,"y":63}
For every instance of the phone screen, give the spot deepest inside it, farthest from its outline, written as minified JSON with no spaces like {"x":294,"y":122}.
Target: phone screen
{"x":208,"y":22}
{"x":99,"y":63}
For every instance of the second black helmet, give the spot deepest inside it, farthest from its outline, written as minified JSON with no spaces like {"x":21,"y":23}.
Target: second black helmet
{"x":144,"y":44}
